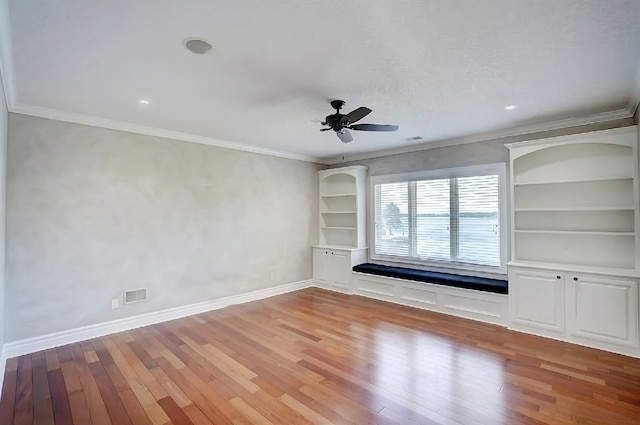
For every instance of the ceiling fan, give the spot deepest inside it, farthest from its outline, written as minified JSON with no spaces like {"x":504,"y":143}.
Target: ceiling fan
{"x":341,"y":124}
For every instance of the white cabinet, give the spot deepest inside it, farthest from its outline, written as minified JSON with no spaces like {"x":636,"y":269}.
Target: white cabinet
{"x":593,"y":310}
{"x":603,"y":309}
{"x":341,"y":268}
{"x":537,"y":299}
{"x":332,"y":267}
{"x":321,"y":266}
{"x":343,"y":207}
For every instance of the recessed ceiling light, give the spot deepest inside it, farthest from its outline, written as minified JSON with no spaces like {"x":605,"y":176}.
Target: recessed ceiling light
{"x":197,"y":46}
{"x":143,"y":102}
{"x":510,"y":107}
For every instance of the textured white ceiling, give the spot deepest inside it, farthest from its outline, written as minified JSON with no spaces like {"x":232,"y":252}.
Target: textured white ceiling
{"x":438,"y":69}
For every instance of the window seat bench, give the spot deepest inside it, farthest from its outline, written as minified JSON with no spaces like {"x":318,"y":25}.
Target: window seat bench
{"x":448,"y":279}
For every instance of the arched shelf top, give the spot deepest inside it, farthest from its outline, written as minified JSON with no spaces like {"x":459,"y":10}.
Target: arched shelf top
{"x":625,"y":137}
{"x":354,"y":170}
{"x":574,"y":162}
{"x":339,"y":177}
{"x":585,"y":149}
{"x":606,"y":155}
{"x":338,"y":184}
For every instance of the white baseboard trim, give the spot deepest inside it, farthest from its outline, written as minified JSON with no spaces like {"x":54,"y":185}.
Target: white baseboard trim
{"x":43,"y":342}
{"x":631,"y":351}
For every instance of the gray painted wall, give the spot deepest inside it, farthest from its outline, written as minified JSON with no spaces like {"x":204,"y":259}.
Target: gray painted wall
{"x":3,"y":179}
{"x":91,"y":212}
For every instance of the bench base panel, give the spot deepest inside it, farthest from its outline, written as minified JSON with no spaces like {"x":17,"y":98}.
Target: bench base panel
{"x":476,"y":305}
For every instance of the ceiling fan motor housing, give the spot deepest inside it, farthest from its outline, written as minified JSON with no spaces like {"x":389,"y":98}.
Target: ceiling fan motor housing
{"x":334,"y":121}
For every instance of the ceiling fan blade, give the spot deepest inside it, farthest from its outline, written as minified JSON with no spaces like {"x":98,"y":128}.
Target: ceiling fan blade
{"x":373,"y":127}
{"x":344,"y":136}
{"x":326,"y":129}
{"x":355,"y":115}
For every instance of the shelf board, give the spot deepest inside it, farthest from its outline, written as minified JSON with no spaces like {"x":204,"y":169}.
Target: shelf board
{"x":577,"y":180}
{"x":337,"y":195}
{"x":577,"y":268}
{"x":338,"y":228}
{"x":337,"y":212}
{"x":566,"y":209}
{"x":576,"y":232}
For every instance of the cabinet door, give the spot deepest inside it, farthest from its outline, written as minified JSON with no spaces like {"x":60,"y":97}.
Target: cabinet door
{"x":603,"y":309}
{"x":341,"y":276}
{"x":538,"y":299}
{"x":321,"y":266}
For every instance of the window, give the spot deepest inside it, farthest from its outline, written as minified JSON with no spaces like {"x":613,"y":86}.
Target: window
{"x":450,"y":218}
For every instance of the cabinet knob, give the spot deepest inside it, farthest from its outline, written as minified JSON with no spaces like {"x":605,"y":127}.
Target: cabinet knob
{"x":558,"y":277}
{"x":575,"y":278}
{"x":326,"y":252}
{"x":332,"y":253}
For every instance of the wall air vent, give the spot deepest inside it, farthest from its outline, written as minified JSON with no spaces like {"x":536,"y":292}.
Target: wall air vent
{"x":135,"y":295}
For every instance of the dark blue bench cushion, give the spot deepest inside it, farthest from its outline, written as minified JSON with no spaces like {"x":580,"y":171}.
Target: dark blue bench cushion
{"x":448,"y":279}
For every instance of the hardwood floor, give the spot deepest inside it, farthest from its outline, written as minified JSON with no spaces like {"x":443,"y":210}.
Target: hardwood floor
{"x":317,"y":357}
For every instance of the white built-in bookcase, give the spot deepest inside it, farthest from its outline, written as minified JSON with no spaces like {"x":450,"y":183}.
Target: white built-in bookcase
{"x":342,"y":238}
{"x":575,"y":266}
{"x":342,"y":207}
{"x":575,"y":202}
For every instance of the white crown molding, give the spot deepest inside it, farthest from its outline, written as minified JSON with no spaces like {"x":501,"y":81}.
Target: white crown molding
{"x":6,"y":54}
{"x":491,"y":135}
{"x":44,"y":342}
{"x":55,"y":114}
{"x":38,"y":111}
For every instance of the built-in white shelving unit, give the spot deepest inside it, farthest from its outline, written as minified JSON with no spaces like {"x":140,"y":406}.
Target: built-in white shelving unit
{"x":575,"y":200}
{"x":342,"y":226}
{"x":342,"y":207}
{"x":574,"y":239}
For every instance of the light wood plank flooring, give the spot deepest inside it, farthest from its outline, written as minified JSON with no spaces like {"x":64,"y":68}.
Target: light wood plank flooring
{"x":317,"y":357}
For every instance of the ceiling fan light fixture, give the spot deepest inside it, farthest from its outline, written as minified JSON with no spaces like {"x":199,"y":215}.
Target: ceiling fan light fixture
{"x":344,"y":136}
{"x":198,"y":46}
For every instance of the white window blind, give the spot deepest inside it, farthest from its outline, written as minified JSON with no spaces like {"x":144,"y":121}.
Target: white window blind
{"x":478,"y":226}
{"x":451,"y":220}
{"x":433,"y":219}
{"x":392,"y":228}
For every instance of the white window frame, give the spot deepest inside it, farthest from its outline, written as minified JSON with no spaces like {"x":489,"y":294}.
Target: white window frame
{"x":499,"y":169}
